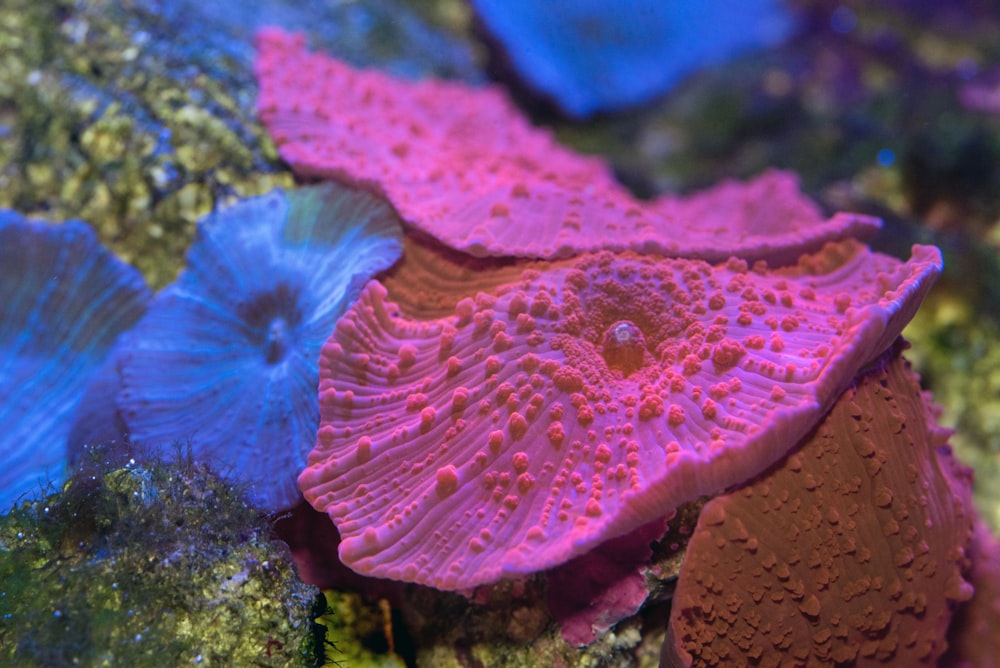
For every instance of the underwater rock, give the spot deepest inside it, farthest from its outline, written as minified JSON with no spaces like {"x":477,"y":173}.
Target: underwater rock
{"x":153,"y":565}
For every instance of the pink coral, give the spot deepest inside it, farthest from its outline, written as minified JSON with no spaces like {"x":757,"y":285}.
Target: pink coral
{"x":582,"y":400}
{"x":462,"y":165}
{"x":851,"y":551}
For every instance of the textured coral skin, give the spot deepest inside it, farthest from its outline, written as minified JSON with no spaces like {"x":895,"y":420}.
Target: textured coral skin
{"x":63,"y":302}
{"x":462,"y":165}
{"x":433,"y":278}
{"x":850,"y":551}
{"x":227,"y":356}
{"x":581,"y":401}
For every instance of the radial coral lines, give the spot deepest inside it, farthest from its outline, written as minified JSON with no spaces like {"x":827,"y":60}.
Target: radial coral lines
{"x":64,"y":300}
{"x":227,"y":355}
{"x":582,"y":400}
{"x":462,"y":165}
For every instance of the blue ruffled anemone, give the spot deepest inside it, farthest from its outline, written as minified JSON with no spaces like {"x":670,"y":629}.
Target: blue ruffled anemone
{"x":227,"y":357}
{"x":64,"y":300}
{"x":605,"y":55}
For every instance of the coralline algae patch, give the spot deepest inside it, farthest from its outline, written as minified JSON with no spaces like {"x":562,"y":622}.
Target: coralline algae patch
{"x":581,"y":401}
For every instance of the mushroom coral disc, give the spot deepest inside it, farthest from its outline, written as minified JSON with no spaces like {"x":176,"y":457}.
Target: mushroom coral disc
{"x":549,"y":414}
{"x":64,"y":300}
{"x":227,"y":355}
{"x":464,"y":166}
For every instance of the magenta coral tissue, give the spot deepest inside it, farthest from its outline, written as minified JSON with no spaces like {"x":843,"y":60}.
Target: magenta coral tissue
{"x":583,"y":400}
{"x":462,"y":165}
{"x":502,"y":424}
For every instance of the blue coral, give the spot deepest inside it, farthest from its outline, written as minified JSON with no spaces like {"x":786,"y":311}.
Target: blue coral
{"x":227,"y":357}
{"x":604,"y":55}
{"x":64,"y":300}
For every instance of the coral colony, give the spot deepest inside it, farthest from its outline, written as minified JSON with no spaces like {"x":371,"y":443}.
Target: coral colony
{"x":580,"y":401}
{"x":553,"y":385}
{"x":63,"y":301}
{"x":551,"y":365}
{"x":849,"y":545}
{"x":226,"y":357}
{"x":462,"y":165}
{"x":506,"y":415}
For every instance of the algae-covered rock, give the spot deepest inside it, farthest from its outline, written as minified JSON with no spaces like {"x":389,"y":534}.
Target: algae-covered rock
{"x":139,"y":117}
{"x":161,"y":565}
{"x":955,"y":348}
{"x":358,"y":632}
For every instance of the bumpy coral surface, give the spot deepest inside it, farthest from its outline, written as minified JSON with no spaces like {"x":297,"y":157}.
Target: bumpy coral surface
{"x":582,"y":400}
{"x":851,"y":551}
{"x":462,"y":165}
{"x":63,"y":302}
{"x":227,"y":355}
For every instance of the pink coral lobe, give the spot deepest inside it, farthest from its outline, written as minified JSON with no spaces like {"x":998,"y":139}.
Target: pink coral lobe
{"x":542,"y":444}
{"x":461,"y":164}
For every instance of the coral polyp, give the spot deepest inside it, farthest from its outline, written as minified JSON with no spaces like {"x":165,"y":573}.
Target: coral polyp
{"x":227,"y":356}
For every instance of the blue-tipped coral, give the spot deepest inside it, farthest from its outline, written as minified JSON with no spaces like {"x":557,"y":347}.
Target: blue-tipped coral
{"x":604,"y":55}
{"x":227,"y":357}
{"x":64,"y":300}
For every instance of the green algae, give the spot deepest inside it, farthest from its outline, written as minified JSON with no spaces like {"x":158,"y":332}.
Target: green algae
{"x":101,"y":123}
{"x":955,"y":349}
{"x":155,"y":565}
{"x":139,"y":117}
{"x":358,"y":633}
{"x":512,"y":628}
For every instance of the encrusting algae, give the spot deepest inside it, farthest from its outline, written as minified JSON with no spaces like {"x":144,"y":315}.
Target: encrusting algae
{"x":157,"y":565}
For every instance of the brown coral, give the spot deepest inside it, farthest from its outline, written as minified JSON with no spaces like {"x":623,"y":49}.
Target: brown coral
{"x":850,"y":551}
